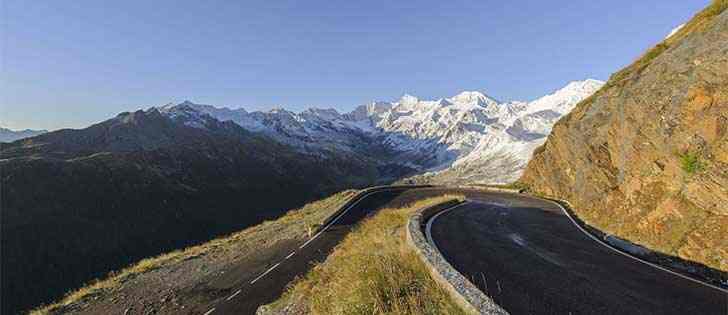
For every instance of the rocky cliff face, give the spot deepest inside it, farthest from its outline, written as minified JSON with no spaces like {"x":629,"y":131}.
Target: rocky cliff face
{"x":646,"y":157}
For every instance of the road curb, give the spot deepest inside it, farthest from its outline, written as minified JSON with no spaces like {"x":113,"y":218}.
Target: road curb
{"x":492,"y":189}
{"x":462,"y":291}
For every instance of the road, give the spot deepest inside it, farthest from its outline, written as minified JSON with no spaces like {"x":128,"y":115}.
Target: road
{"x":522,"y":251}
{"x":530,"y":258}
{"x":259,"y":284}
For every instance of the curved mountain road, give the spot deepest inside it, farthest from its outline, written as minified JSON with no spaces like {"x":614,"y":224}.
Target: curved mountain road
{"x":522,"y":251}
{"x":529,"y":256}
{"x":258,"y":286}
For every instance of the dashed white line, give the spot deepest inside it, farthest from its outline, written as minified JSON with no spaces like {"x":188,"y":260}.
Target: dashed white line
{"x":302,"y":246}
{"x":234,"y":295}
{"x":265,"y":273}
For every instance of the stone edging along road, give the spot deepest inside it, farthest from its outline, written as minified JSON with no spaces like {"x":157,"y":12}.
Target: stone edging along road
{"x":463,"y":292}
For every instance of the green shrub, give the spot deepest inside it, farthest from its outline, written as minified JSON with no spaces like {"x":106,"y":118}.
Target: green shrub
{"x":690,"y":163}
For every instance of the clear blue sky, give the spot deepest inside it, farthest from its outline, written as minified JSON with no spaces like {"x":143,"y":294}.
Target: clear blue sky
{"x":72,"y":63}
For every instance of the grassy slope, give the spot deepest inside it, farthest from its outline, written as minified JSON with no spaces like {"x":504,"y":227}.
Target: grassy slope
{"x":373,"y":271}
{"x":292,"y":225}
{"x":698,"y":23}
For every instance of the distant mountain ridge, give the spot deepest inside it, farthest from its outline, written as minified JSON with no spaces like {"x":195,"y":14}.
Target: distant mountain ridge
{"x":140,"y":184}
{"x":438,"y":137}
{"x":8,"y":135}
{"x":159,"y":179}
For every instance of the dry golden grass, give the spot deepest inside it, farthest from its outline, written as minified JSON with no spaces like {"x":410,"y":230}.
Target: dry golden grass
{"x":294,"y":224}
{"x":698,"y":23}
{"x":373,"y":271}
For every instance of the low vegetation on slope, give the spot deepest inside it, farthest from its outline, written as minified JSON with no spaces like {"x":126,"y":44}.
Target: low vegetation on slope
{"x":139,"y":185}
{"x":140,"y":283}
{"x":646,"y":157}
{"x":373,"y":271}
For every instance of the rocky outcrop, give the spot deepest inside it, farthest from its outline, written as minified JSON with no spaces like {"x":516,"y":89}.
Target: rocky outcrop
{"x":646,"y":157}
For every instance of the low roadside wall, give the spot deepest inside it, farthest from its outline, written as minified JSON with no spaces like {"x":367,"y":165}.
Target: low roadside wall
{"x":462,"y":291}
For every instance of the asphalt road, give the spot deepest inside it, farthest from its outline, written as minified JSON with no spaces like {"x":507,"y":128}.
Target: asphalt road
{"x":531,"y":259}
{"x":261,"y":283}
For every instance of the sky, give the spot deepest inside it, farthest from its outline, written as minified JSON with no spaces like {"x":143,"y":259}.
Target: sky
{"x":68,"y":64}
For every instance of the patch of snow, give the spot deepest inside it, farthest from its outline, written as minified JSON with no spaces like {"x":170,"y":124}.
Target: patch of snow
{"x":675,"y":30}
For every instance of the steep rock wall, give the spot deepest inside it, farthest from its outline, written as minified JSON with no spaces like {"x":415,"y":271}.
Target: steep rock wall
{"x":646,"y":157}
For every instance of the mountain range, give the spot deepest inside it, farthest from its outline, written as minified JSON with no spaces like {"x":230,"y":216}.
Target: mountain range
{"x":166,"y":177}
{"x":8,"y":135}
{"x":467,"y":138}
{"x":79,"y":203}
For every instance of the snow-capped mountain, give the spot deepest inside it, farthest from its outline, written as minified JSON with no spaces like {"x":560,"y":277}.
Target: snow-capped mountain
{"x":7,"y":135}
{"x":469,"y":136}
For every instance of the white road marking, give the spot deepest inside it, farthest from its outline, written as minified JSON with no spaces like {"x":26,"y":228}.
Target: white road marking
{"x":362,"y":197}
{"x":234,"y":295}
{"x":428,"y":229}
{"x":633,"y":257}
{"x":265,"y":273}
{"x":339,"y":216}
{"x":573,"y":221}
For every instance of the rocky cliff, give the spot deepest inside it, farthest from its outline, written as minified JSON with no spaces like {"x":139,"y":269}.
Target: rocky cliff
{"x":646,"y":157}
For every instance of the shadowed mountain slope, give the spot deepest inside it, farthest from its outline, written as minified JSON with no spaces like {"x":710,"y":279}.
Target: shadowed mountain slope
{"x":78,"y":203}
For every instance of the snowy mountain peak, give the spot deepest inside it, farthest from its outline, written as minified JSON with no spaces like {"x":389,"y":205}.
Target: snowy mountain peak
{"x":675,"y":30}
{"x":408,"y":99}
{"x":588,"y":85}
{"x":564,"y":99}
{"x":8,"y":135}
{"x":462,"y":130}
{"x":325,"y":113}
{"x":473,"y":97}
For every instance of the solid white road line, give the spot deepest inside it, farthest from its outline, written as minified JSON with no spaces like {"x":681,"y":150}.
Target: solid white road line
{"x":234,"y":295}
{"x":341,"y":215}
{"x":634,"y":257}
{"x":290,"y":255}
{"x":573,"y":221}
{"x":210,"y":311}
{"x":265,"y":273}
{"x":428,"y":229}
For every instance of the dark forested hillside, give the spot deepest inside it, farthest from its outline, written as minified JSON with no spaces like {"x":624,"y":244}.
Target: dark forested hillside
{"x":79,"y":203}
